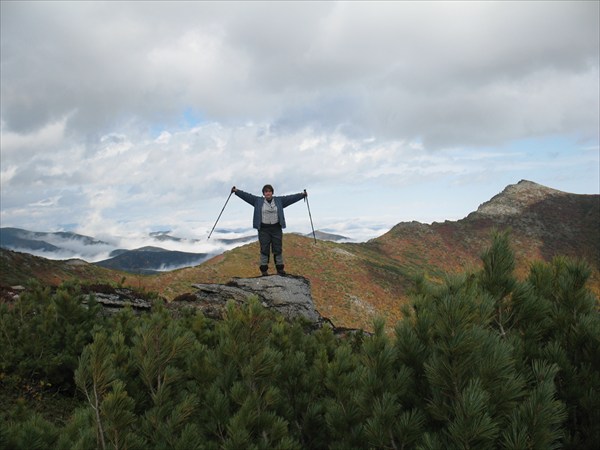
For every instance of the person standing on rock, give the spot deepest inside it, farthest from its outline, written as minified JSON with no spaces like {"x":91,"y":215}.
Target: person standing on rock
{"x":269,"y":220}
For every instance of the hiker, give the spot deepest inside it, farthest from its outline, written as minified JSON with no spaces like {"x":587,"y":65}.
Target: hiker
{"x":269,"y":220}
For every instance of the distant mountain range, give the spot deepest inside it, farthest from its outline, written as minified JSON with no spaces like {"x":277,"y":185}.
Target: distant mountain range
{"x":146,"y":260}
{"x":352,"y":283}
{"x":19,"y":239}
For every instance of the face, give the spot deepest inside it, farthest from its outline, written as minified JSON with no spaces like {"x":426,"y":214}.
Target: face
{"x":268,"y":194}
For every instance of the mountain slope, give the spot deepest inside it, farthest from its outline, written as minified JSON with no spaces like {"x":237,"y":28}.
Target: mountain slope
{"x":354,"y":283}
{"x":544,"y":223}
{"x":18,"y":268}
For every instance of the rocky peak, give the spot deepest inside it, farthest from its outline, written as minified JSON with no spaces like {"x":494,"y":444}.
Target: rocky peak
{"x":515,"y":198}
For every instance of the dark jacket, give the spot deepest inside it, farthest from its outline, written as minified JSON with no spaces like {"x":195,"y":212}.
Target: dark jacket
{"x":280,"y":201}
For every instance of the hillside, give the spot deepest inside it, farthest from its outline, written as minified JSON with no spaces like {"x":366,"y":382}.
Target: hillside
{"x":353,"y":283}
{"x":544,"y":223}
{"x":18,"y":268}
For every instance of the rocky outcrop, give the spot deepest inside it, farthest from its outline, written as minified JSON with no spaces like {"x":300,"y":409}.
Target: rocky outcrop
{"x":114,"y":299}
{"x":290,"y":296}
{"x":515,"y":199}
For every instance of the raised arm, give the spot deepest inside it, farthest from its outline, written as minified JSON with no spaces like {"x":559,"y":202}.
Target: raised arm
{"x":287,"y":200}
{"x":247,"y":197}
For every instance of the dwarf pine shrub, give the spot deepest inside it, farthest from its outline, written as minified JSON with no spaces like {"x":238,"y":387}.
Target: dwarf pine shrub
{"x":43,"y":334}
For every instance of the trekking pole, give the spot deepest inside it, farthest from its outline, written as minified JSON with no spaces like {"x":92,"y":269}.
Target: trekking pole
{"x":213,"y":228}
{"x":310,"y":216}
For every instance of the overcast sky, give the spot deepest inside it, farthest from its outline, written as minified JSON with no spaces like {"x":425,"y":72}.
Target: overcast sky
{"x":131,"y":117}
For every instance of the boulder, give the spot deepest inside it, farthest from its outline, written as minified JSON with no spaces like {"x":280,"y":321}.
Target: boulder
{"x":288,"y":295}
{"x":113,"y":299}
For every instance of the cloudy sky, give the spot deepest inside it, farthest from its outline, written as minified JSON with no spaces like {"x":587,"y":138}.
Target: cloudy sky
{"x":130,"y":117}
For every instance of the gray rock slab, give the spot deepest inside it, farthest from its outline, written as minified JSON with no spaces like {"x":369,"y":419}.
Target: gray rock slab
{"x":287,"y":295}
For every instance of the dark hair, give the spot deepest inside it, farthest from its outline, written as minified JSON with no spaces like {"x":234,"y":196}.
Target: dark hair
{"x":267,"y":187}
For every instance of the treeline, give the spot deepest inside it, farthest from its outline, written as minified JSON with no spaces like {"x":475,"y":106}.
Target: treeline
{"x":481,"y":361}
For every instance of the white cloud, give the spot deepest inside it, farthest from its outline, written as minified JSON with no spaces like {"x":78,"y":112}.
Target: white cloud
{"x":6,"y":174}
{"x":53,"y":201}
{"x":17,"y":145}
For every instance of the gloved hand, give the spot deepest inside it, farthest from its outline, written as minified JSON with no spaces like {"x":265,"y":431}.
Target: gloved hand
{"x":233,"y":189}
{"x":305,"y":193}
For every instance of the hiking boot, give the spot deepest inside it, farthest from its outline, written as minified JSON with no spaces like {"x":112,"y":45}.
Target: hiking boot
{"x":280,"y":270}
{"x":264,"y":270}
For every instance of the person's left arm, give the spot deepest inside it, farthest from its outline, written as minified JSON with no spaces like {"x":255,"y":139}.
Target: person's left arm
{"x":287,"y":200}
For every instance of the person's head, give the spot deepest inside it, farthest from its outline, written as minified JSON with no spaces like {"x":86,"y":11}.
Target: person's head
{"x":267,"y":191}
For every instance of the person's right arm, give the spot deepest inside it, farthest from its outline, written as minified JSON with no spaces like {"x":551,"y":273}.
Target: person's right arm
{"x":247,"y":197}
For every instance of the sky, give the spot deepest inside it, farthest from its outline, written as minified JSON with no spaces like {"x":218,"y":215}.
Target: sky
{"x":125,"y":118}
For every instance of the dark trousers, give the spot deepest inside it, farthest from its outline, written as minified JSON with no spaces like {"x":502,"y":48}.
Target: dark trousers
{"x":270,"y":238}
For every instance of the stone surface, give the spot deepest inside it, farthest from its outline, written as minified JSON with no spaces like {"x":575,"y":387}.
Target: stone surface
{"x":114,"y":299}
{"x":287,"y":295}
